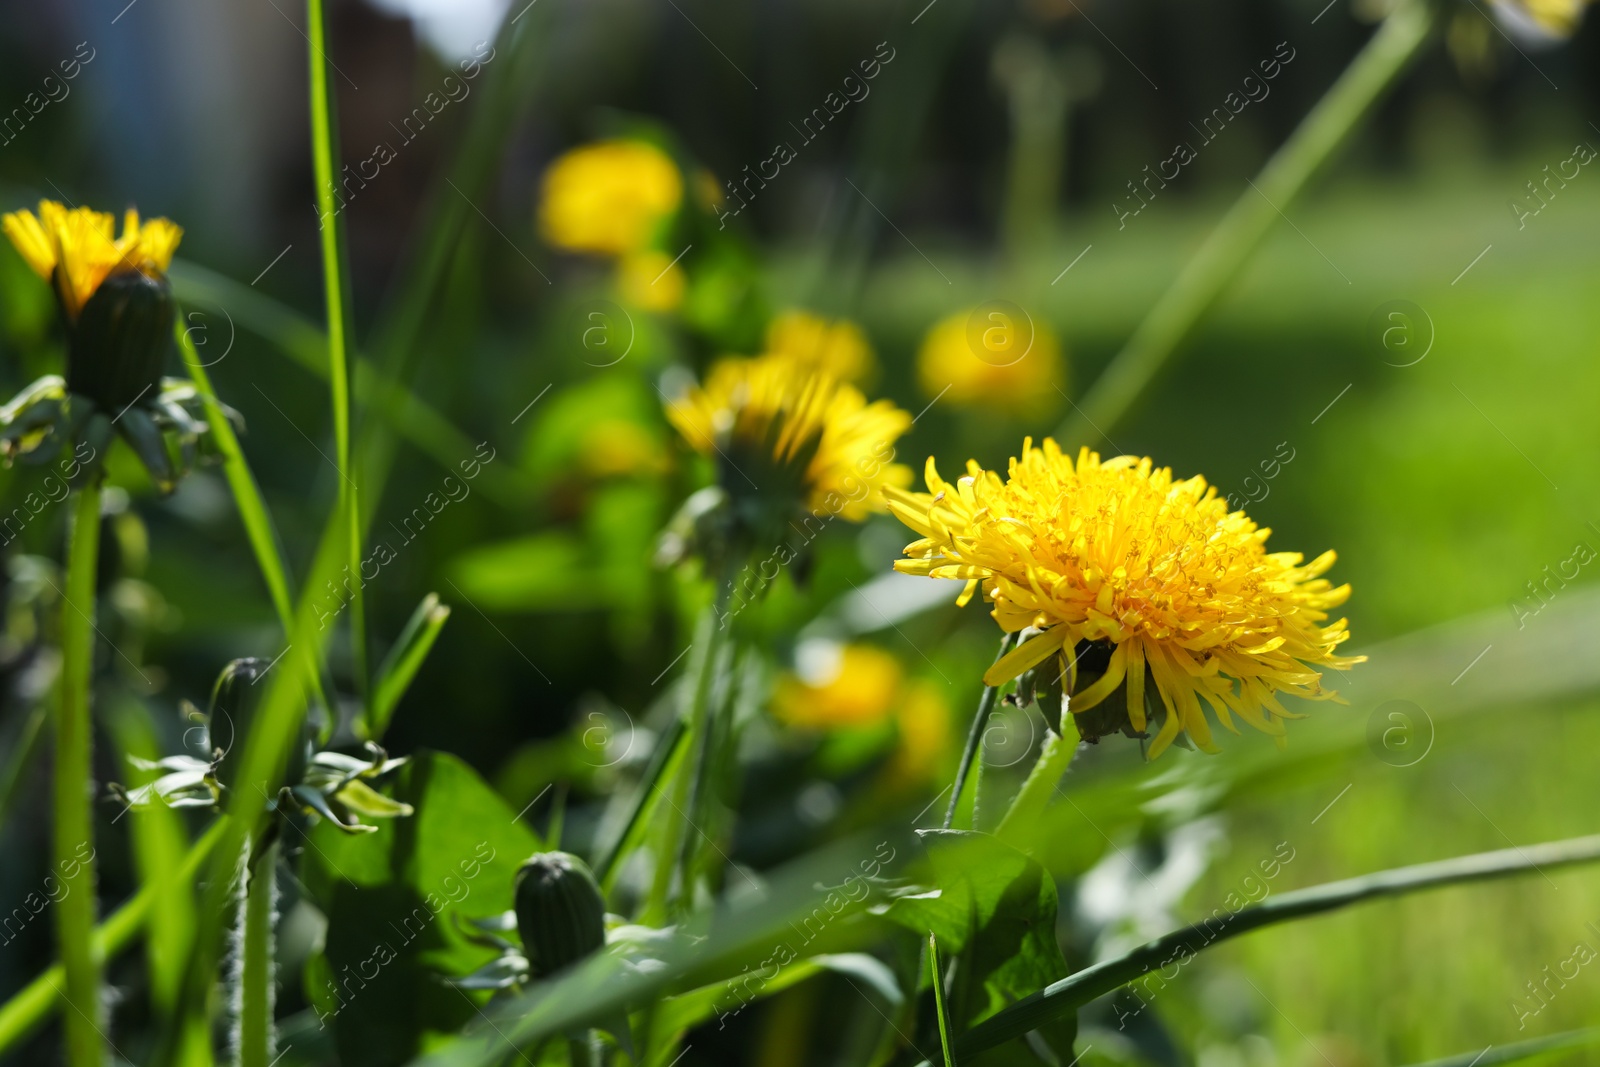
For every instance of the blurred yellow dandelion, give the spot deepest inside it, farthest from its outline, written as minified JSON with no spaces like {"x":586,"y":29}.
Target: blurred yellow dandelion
{"x":838,"y":347}
{"x":923,"y":723}
{"x":609,"y":197}
{"x":76,"y":249}
{"x":776,"y":419}
{"x":839,"y":686}
{"x":998,"y":359}
{"x":1551,"y":18}
{"x":1158,"y":572}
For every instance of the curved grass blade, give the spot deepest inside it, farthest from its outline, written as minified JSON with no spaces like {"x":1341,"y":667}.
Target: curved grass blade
{"x":937,"y":977}
{"x":1203,"y":278}
{"x":1073,"y":992}
{"x":258,"y":526}
{"x":400,"y":666}
{"x":1521,"y":1050}
{"x":414,"y":420}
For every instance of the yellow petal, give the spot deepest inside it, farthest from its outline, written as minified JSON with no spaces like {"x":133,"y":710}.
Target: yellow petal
{"x":1029,"y":654}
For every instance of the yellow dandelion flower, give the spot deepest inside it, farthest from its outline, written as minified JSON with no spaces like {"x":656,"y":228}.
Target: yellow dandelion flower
{"x":76,"y":249}
{"x":836,"y":687}
{"x":998,"y":359}
{"x":838,"y":347}
{"x":651,"y":280}
{"x":1155,"y":576}
{"x":608,"y":197}
{"x":1557,"y":19}
{"x":923,"y":721}
{"x":775,"y":419}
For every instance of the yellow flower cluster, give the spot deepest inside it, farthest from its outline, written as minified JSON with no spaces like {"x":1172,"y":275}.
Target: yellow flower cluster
{"x":1118,"y":552}
{"x":76,"y":249}
{"x":779,"y":409}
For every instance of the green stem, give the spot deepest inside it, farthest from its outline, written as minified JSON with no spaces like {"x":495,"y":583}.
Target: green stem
{"x":336,"y":290}
{"x":969,"y":755}
{"x":1252,"y":216}
{"x":1055,"y":756}
{"x":660,"y":759}
{"x":30,"y":1006}
{"x":74,"y":829}
{"x":709,"y":638}
{"x":256,"y":971}
{"x":1179,"y":947}
{"x":582,"y":1050}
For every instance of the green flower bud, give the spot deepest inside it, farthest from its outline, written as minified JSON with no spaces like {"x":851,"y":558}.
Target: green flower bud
{"x":234,"y":702}
{"x":560,"y":912}
{"x":121,"y":340}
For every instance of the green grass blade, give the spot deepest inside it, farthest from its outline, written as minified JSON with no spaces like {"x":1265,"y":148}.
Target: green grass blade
{"x":937,"y":977}
{"x":1252,"y":216}
{"x":1520,"y":1051}
{"x":336,"y":292}
{"x":246,"y":497}
{"x":414,"y":420}
{"x":21,"y":758}
{"x":246,"y":493}
{"x":159,"y":843}
{"x":1073,"y":992}
{"x":661,"y":760}
{"x":31,"y":1006}
{"x":277,"y":723}
{"x":400,"y":666}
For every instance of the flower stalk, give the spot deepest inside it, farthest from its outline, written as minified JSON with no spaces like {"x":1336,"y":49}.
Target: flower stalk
{"x":1055,"y":757}
{"x":709,"y":639}
{"x":256,"y":965}
{"x":74,"y":827}
{"x":969,"y":755}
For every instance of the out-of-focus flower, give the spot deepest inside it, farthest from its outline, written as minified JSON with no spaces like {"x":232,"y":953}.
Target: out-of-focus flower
{"x":608,"y":198}
{"x":1548,"y":21}
{"x":785,"y":431}
{"x":923,"y":722}
{"x":651,"y":280}
{"x":119,"y":315}
{"x":994,"y":361}
{"x":1136,"y":575}
{"x":839,"y":686}
{"x":837,"y":347}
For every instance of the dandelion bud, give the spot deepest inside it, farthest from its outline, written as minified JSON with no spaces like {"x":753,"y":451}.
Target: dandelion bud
{"x":234,"y":702}
{"x":122,"y":340}
{"x":560,"y":912}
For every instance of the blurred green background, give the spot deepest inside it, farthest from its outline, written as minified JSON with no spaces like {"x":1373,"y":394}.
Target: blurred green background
{"x":1446,"y":486}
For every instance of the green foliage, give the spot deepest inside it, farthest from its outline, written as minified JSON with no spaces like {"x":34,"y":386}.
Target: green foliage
{"x":996,"y":909}
{"x":398,"y":902}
